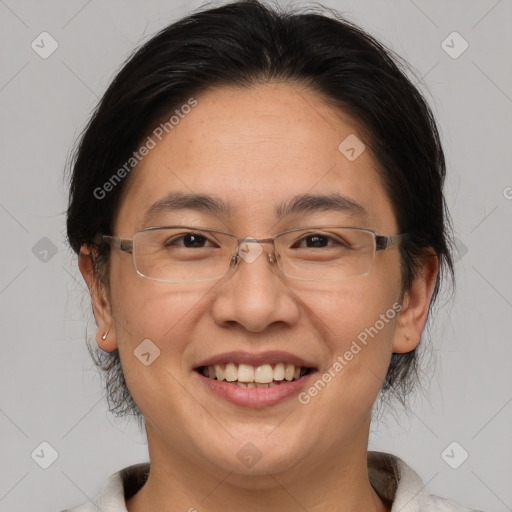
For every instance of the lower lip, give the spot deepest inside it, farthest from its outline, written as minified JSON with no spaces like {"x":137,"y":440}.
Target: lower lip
{"x":255,"y":397}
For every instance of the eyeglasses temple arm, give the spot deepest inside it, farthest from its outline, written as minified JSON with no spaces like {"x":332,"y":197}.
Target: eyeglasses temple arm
{"x":385,"y":242}
{"x":122,"y":244}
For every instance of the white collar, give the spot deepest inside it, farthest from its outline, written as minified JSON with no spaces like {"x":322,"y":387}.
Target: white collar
{"x":390,"y":476}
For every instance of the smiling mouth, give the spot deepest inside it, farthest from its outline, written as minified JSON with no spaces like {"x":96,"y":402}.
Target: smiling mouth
{"x":249,"y":376}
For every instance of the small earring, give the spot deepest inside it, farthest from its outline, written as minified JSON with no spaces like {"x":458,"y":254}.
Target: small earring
{"x":104,"y":337}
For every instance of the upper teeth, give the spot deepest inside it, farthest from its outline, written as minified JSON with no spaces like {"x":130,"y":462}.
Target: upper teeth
{"x":263,"y":374}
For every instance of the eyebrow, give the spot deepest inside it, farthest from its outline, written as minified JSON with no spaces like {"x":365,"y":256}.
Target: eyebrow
{"x":311,"y":203}
{"x":304,"y":203}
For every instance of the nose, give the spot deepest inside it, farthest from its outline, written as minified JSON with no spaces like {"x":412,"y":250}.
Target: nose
{"x":254,"y":294}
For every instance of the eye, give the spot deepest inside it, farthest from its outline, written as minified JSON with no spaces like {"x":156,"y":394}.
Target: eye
{"x":188,"y":240}
{"x":319,"y":240}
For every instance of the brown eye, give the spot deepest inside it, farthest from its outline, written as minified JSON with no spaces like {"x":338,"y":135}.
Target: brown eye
{"x":317,"y":240}
{"x":188,"y":241}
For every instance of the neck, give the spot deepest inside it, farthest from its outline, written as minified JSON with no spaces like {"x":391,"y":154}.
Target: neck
{"x":176,"y":483}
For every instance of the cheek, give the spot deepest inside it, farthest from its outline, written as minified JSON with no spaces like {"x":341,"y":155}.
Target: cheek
{"x":156,"y":319}
{"x":347,"y":309}
{"x":357,"y":324}
{"x":145,"y":309}
{"x":155,"y":312}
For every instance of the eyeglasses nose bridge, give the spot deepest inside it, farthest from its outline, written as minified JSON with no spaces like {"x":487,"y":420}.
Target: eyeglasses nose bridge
{"x":271,"y":253}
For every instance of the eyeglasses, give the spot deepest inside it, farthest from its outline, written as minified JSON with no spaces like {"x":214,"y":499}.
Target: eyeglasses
{"x":183,"y":254}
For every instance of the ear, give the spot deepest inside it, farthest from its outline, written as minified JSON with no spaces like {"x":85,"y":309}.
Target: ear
{"x":415,"y":305}
{"x":100,"y":302}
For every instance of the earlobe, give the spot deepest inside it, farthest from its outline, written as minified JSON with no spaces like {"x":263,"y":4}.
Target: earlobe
{"x":415,"y":307}
{"x":106,"y":341}
{"x":105,"y":330}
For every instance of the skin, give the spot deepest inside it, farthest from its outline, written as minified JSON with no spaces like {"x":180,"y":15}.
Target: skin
{"x":256,"y":147}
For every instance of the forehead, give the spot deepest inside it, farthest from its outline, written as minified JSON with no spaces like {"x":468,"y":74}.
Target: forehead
{"x":257,"y":148}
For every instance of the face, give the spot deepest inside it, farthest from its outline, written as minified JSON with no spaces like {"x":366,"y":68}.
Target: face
{"x":256,"y":149}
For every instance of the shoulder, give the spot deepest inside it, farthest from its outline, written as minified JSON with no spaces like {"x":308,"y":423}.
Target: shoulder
{"x":398,"y":483}
{"x":121,"y":485}
{"x":439,"y":504}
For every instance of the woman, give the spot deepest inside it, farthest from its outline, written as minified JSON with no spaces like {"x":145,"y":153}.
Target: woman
{"x":258,"y":213}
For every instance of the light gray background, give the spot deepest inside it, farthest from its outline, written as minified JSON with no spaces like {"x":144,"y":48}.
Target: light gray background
{"x":50,"y":390}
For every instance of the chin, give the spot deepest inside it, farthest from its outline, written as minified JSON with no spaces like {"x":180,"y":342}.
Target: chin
{"x":253,"y":456}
